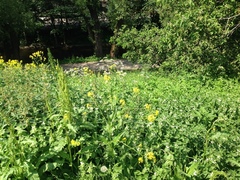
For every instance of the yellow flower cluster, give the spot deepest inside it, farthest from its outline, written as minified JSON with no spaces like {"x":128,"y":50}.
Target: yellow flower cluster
{"x":147,"y":106}
{"x":127,"y":116}
{"x":136,"y":90}
{"x":106,"y":77}
{"x":1,"y":60}
{"x":90,"y":94}
{"x":122,"y":102}
{"x":30,"y":66}
{"x":140,"y":160}
{"x":39,"y":56}
{"x":75,"y":143}
{"x":88,"y":105}
{"x":87,"y":71}
{"x":113,"y":67}
{"x":151,"y":156}
{"x":152,"y":117}
{"x":66,"y":117}
{"x":14,"y":63}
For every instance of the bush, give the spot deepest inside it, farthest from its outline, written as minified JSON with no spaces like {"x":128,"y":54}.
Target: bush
{"x":194,"y":37}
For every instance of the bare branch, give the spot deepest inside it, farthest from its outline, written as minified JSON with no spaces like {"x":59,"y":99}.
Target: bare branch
{"x":227,"y":26}
{"x":231,"y":17}
{"x":233,"y":29}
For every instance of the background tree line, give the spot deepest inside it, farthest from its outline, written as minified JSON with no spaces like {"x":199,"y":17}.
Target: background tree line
{"x":194,"y":35}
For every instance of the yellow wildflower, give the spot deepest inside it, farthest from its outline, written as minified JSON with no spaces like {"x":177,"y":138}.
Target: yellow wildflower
{"x":14,"y":63}
{"x":122,"y":102}
{"x":140,"y":160}
{"x":106,"y":77}
{"x":37,"y":56}
{"x":88,"y":105}
{"x":66,"y":117}
{"x":30,"y":66}
{"x":156,"y":113}
{"x":136,"y":90}
{"x":90,"y":94}
{"x":127,"y":116}
{"x":151,"y":156}
{"x":84,"y":113}
{"x":124,"y":139}
{"x":113,"y":67}
{"x":75,"y":143}
{"x":87,"y":71}
{"x":151,"y":118}
{"x":41,"y":65}
{"x":147,"y":106}
{"x":1,"y":60}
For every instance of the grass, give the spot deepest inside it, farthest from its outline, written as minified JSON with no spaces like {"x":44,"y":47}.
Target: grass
{"x":136,"y":125}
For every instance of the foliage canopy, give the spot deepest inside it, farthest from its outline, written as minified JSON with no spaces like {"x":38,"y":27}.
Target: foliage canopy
{"x":195,"y":36}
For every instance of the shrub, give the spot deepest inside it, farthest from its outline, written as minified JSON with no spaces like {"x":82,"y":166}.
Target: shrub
{"x":194,"y":37}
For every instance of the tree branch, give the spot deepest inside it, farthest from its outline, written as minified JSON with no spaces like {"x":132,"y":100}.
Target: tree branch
{"x":231,"y":17}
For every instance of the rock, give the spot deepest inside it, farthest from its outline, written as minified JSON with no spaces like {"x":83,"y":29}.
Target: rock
{"x":105,"y":65}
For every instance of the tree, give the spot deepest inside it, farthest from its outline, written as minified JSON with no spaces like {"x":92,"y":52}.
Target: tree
{"x":91,"y":10}
{"x":113,"y":14}
{"x":120,"y":13}
{"x":57,"y":14}
{"x":13,"y":22}
{"x":193,"y":36}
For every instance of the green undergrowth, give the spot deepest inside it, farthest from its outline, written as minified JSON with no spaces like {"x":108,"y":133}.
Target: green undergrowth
{"x":136,"y":125}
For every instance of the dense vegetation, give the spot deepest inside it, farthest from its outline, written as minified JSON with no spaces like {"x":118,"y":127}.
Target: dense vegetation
{"x":198,"y":36}
{"x":181,"y":121}
{"x":116,"y":125}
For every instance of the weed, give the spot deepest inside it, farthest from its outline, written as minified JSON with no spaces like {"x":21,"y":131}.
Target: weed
{"x":140,"y":125}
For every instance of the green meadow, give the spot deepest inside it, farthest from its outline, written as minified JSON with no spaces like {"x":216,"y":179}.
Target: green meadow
{"x":116,"y":125}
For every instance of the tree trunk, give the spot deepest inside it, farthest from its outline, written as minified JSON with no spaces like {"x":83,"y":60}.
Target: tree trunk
{"x":96,"y":29}
{"x":114,"y":48}
{"x":113,"y":51}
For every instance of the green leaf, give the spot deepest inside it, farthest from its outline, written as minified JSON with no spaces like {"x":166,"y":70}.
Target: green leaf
{"x":193,"y":168}
{"x":87,"y":125}
{"x":71,"y":128}
{"x":233,"y":162}
{"x":216,"y":174}
{"x":33,"y":176}
{"x":50,"y":166}
{"x":58,"y":145}
{"x":7,"y":173}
